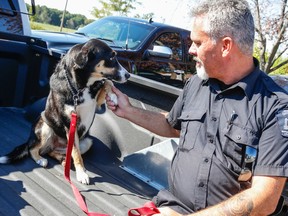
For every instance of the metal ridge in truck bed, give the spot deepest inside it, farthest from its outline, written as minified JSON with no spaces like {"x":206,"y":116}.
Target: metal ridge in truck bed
{"x":27,"y":189}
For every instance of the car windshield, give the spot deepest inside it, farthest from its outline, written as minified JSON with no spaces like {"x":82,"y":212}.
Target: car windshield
{"x":118,"y":32}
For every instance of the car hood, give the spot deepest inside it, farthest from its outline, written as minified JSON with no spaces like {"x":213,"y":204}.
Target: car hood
{"x":59,"y":41}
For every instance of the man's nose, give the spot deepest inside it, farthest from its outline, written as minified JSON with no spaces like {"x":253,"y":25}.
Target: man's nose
{"x":192,"y":50}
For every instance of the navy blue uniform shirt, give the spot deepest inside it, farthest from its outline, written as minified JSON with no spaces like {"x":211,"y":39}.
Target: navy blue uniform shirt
{"x":207,"y":164}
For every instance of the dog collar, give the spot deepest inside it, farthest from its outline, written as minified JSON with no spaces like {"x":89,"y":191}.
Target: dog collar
{"x":75,"y":92}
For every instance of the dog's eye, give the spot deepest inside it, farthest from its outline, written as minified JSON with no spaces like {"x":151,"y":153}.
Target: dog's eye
{"x":113,"y":56}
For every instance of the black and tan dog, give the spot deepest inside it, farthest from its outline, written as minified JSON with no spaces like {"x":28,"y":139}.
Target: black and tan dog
{"x":79,"y":83}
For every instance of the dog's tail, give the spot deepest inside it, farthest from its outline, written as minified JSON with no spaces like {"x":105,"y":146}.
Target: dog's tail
{"x":16,"y":154}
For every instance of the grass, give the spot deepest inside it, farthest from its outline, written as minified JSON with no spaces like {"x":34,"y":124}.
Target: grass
{"x":43,"y":26}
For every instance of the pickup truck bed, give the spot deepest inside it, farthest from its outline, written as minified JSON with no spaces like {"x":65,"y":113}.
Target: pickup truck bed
{"x":27,"y":189}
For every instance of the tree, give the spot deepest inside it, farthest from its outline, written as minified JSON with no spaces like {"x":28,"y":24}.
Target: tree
{"x":145,"y":16}
{"x":53,"y":17}
{"x":74,"y":21}
{"x":271,"y":23}
{"x":45,"y":15}
{"x":112,"y":7}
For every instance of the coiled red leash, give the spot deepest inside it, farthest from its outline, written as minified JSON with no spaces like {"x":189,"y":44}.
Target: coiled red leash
{"x":147,"y":210}
{"x":77,"y":194}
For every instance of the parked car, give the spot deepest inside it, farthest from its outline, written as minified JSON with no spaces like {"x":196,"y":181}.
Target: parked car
{"x":146,"y":48}
{"x":281,"y":80}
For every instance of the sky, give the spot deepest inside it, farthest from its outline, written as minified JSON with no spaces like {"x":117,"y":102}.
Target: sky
{"x":174,"y":12}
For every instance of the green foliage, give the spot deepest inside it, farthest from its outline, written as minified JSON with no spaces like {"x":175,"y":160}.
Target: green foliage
{"x":37,"y":26}
{"x":280,"y":71}
{"x":113,"y":7}
{"x":48,"y":27}
{"x":145,"y":16}
{"x":53,"y":17}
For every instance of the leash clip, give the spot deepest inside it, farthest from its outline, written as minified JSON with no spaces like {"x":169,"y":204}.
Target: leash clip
{"x":75,"y":100}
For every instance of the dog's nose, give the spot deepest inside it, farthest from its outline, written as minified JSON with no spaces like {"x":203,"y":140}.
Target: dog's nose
{"x":127,"y":76}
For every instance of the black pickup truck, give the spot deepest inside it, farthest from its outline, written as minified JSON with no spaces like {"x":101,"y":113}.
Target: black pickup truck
{"x":127,"y":164}
{"x":145,"y":48}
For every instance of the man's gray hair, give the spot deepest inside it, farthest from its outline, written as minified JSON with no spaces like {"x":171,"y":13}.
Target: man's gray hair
{"x":230,"y":18}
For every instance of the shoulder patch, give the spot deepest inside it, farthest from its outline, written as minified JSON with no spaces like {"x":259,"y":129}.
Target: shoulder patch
{"x":282,"y":118}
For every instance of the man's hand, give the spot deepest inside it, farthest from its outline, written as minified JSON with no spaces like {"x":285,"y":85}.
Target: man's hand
{"x":153,"y":121}
{"x":122,"y":103}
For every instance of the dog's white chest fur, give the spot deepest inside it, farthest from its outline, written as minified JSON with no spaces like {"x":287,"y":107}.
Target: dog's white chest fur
{"x":85,"y":110}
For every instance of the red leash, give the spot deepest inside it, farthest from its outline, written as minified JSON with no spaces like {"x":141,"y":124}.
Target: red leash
{"x":77,"y":194}
{"x":147,"y":210}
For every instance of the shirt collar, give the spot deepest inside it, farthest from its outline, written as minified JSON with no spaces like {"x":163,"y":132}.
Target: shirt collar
{"x":247,"y":83}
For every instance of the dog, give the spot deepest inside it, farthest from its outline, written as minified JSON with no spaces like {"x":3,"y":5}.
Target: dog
{"x":79,"y":83}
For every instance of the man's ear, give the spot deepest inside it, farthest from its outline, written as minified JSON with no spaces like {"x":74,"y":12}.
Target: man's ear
{"x":81,"y":58}
{"x":227,"y":44}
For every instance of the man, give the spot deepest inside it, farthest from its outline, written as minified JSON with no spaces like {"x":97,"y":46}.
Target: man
{"x":230,"y":107}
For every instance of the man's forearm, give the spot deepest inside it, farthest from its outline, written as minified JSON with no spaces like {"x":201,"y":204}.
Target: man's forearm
{"x":152,"y":121}
{"x":259,"y":200}
{"x":239,"y":205}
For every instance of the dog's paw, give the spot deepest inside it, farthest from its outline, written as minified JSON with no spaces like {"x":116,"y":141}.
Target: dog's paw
{"x":63,"y":163}
{"x":82,"y":177}
{"x":42,"y":162}
{"x":113,"y":98}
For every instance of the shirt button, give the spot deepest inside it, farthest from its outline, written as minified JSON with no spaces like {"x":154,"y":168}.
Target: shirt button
{"x":214,"y":119}
{"x":238,"y":137}
{"x":206,"y":160}
{"x":201,"y":184}
{"x":211,"y":140}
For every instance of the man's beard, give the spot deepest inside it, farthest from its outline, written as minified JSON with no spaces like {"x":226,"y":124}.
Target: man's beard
{"x":201,"y":72}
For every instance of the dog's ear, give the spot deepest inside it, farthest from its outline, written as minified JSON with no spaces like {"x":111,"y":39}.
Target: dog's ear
{"x":81,"y":58}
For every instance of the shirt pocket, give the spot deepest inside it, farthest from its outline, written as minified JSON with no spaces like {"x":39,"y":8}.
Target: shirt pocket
{"x":237,"y":138}
{"x":191,"y":122}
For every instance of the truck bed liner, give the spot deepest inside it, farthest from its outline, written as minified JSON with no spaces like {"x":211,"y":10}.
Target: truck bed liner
{"x":27,"y":189}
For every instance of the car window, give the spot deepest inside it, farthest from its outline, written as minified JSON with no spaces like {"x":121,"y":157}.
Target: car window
{"x":7,"y":8}
{"x":11,"y":20}
{"x":120,"y":33}
{"x":173,"y":41}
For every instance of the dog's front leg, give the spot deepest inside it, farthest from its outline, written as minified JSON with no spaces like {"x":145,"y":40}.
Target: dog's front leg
{"x":81,"y":174}
{"x":108,"y":89}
